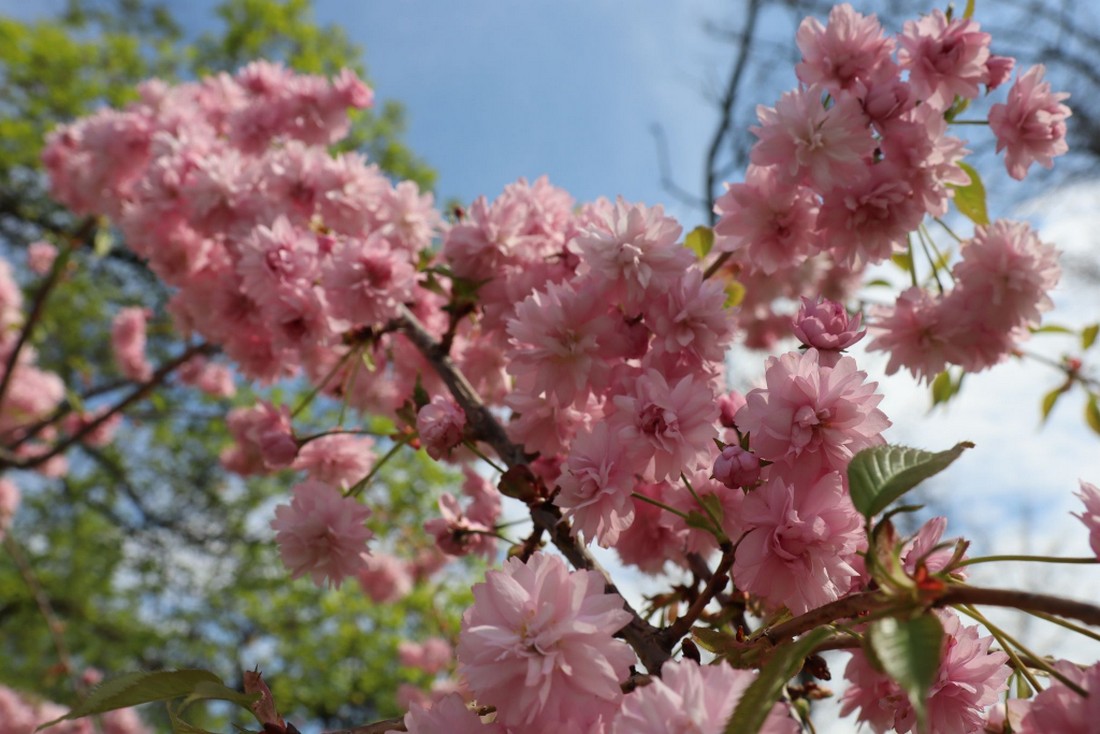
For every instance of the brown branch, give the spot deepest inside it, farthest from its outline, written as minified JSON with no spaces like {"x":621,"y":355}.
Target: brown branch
{"x":481,"y":423}
{"x":1023,"y":600}
{"x":140,"y":392}
{"x":715,"y":584}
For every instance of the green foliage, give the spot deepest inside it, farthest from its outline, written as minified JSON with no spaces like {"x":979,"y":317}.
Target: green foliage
{"x":908,"y":650}
{"x":881,"y":474}
{"x":970,"y":199}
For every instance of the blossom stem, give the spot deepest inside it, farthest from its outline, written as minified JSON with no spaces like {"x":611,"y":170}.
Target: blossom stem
{"x":1034,"y":559}
{"x":719,"y":533}
{"x":479,"y":454}
{"x":969,"y":122}
{"x":356,"y":488}
{"x":715,"y":584}
{"x":1024,"y":670}
{"x":950,"y":231}
{"x":912,"y":262}
{"x":658,"y":503}
{"x":305,"y":401}
{"x":1064,"y":623}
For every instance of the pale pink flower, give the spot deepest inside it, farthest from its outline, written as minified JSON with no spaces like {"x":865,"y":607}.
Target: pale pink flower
{"x":11,"y":303}
{"x":339,"y":459}
{"x":322,"y":533}
{"x":917,"y":143}
{"x":808,"y":141}
{"x":922,"y":550}
{"x":767,"y":221}
{"x":449,"y":714}
{"x":736,"y":468}
{"x":634,"y":248}
{"x":1061,"y":709}
{"x":440,"y":424}
{"x":365,"y":280}
{"x":668,"y":425}
{"x":970,"y":678}
{"x":557,"y":338}
{"x":537,"y":644}
{"x":945,"y":58}
{"x":545,"y":426}
{"x":915,"y":334}
{"x":128,"y":343}
{"x":431,"y":656}
{"x":800,"y":543}
{"x":809,"y":409}
{"x":40,"y":257}
{"x":690,"y":698}
{"x":728,"y":405}
{"x":595,"y":485}
{"x":263,"y":439}
{"x":213,"y":378}
{"x":1031,"y":126}
{"x":850,"y":49}
{"x":654,"y":538}
{"x":384,"y":579}
{"x":826,"y":326}
{"x":690,"y":319}
{"x":726,"y":505}
{"x":1090,"y":497}
{"x":458,"y":534}
{"x":275,"y":259}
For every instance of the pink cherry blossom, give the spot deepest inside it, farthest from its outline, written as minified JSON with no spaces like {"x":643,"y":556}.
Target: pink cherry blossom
{"x":595,"y":485}
{"x":1031,"y":126}
{"x":128,"y":342}
{"x":1061,"y":709}
{"x":850,"y":49}
{"x":440,"y":424}
{"x":40,"y":257}
{"x":432,"y":655}
{"x":458,"y":534}
{"x":321,"y":533}
{"x":654,"y":538}
{"x":213,"y":378}
{"x":339,"y":459}
{"x":808,"y":141}
{"x":9,"y":503}
{"x":384,"y":579}
{"x":366,"y":280}
{"x":800,"y":543}
{"x":537,"y":644}
{"x":690,"y":319}
{"x":264,"y":439}
{"x":769,"y":222}
{"x":915,"y":333}
{"x":449,"y":714}
{"x":944,"y":57}
{"x":634,"y":248}
{"x":970,"y":678}
{"x":809,"y":409}
{"x":667,"y":424}
{"x":690,"y":698}
{"x":1090,"y":497}
{"x":922,"y":550}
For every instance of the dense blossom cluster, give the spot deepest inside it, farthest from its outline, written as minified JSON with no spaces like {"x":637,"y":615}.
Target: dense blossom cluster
{"x":595,"y":339}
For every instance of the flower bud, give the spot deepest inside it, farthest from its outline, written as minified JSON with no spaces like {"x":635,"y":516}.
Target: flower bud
{"x":826,"y":326}
{"x":735,"y":467}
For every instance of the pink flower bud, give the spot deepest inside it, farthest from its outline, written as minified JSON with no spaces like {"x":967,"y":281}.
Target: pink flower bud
{"x":826,"y":326}
{"x":735,"y":467}
{"x":440,"y":425}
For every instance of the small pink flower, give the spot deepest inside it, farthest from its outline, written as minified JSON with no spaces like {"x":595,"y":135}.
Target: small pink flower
{"x":449,"y":714}
{"x":40,"y":257}
{"x":1031,"y":126}
{"x":440,"y":424}
{"x":9,"y":503}
{"x":728,"y":405}
{"x":915,"y":333}
{"x":850,"y":49}
{"x":537,"y":644}
{"x":810,"y":409}
{"x":736,"y":468}
{"x":654,"y":538}
{"x":970,"y":678}
{"x":1061,"y":709}
{"x":595,"y":485}
{"x":457,"y":533}
{"x":1090,"y":496}
{"x":944,"y":58}
{"x":689,"y":697}
{"x":264,"y":439}
{"x":826,"y":326}
{"x":128,"y":342}
{"x":800,"y":543}
{"x":321,"y":533}
{"x":339,"y":459}
{"x":384,"y":579}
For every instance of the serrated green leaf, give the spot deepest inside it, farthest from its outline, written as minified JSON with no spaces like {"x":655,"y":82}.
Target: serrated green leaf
{"x":132,"y":689}
{"x":1088,"y":335}
{"x":1092,"y":413}
{"x":879,"y":475}
{"x":700,"y":241}
{"x":757,"y":701}
{"x":909,"y":652}
{"x":1050,"y":399}
{"x":970,"y":199}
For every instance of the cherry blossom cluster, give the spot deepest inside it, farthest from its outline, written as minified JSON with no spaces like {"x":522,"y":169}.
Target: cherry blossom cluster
{"x":850,"y":164}
{"x":22,"y":715}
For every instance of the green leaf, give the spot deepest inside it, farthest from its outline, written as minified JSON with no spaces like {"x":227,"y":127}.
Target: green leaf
{"x":714,"y":641}
{"x":132,"y":689}
{"x":735,"y":293}
{"x":970,"y":199}
{"x":758,"y":699}
{"x":212,"y":691}
{"x":103,"y":242}
{"x":942,"y":388}
{"x":909,"y":652}
{"x":902,"y":260}
{"x":1050,"y":399}
{"x":1092,"y":413}
{"x":969,"y":12}
{"x":1052,"y":329}
{"x":700,"y":240}
{"x":1088,"y":335}
{"x":879,"y":475}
